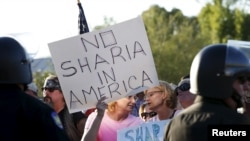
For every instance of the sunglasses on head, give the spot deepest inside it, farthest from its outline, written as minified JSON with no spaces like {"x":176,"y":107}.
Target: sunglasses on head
{"x":146,"y":114}
{"x":184,"y":87}
{"x":49,"y":89}
{"x":243,"y":79}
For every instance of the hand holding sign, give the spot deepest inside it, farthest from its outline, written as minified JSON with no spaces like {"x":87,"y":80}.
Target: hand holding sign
{"x":101,"y":106}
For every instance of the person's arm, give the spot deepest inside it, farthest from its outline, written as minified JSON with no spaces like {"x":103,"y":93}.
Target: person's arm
{"x":91,"y":132}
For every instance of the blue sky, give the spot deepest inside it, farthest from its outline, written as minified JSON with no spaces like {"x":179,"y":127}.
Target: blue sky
{"x":38,"y":22}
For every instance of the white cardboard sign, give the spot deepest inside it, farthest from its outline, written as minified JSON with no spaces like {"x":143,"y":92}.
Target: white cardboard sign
{"x":115,"y":62}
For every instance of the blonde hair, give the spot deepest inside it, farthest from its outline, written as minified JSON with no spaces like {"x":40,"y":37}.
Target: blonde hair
{"x":111,"y":106}
{"x":171,"y":98}
{"x":142,"y":109}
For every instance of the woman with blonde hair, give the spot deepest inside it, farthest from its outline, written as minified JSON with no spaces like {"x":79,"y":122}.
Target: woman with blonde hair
{"x":103,"y":124}
{"x":162,"y":100}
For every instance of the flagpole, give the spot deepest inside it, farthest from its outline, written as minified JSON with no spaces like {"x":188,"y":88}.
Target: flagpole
{"x":82,"y":22}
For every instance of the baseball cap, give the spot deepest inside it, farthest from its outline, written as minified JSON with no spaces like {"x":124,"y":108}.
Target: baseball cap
{"x":52,"y":82}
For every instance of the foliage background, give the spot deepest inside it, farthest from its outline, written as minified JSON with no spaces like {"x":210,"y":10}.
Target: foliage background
{"x":175,"y":39}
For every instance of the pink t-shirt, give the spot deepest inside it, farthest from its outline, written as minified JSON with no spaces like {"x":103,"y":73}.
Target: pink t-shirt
{"x":109,"y":127}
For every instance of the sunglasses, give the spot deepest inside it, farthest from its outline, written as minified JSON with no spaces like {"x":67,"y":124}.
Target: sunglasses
{"x":243,"y":79}
{"x":183,"y":87}
{"x":49,"y":89}
{"x":150,"y":114}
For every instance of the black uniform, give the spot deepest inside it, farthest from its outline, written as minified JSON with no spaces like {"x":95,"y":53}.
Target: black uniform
{"x":192,"y":123}
{"x":215,"y":74}
{"x":25,"y":118}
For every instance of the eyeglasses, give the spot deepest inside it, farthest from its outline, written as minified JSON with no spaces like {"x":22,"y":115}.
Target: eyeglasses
{"x":150,"y":94}
{"x":146,"y":114}
{"x":49,"y":89}
{"x":243,"y":79}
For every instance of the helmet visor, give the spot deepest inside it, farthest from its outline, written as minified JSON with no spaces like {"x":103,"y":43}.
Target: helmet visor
{"x":237,"y":57}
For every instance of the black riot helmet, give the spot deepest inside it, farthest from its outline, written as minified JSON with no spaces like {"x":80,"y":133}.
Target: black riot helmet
{"x":14,"y":65}
{"x":214,"y":69}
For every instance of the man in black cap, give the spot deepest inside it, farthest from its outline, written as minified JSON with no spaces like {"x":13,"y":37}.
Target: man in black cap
{"x":23,"y":117}
{"x":73,"y":123}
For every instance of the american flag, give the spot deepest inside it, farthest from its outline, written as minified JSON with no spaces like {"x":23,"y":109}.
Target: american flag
{"x":82,"y":22}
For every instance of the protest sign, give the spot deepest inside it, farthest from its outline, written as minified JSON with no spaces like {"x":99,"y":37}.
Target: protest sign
{"x":115,"y":62}
{"x":148,"y":131}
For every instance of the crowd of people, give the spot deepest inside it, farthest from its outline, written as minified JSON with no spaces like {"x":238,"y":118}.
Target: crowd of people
{"x":217,"y":85}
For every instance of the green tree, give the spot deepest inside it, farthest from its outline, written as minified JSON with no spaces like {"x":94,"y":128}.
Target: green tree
{"x":174,"y":40}
{"x":221,"y":20}
{"x":107,"y":22}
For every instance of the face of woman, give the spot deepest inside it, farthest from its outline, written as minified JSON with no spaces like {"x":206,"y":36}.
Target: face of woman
{"x":126,"y":103}
{"x":154,"y":97}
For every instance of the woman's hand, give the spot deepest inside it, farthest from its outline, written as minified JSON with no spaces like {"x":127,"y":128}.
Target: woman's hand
{"x":101,"y":106}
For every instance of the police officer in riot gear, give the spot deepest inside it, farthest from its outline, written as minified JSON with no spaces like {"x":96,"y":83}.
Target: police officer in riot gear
{"x":213,"y":75}
{"x":23,"y":117}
